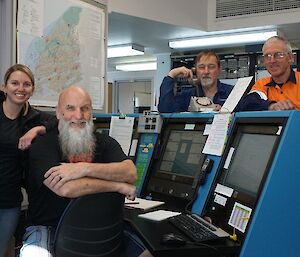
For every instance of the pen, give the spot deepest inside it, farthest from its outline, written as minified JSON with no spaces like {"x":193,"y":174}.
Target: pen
{"x":132,"y":203}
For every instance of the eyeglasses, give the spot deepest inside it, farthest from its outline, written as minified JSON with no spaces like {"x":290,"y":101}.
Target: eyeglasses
{"x":276,"y":56}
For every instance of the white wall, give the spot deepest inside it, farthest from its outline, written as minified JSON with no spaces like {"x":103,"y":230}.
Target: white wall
{"x":198,"y":14}
{"x":187,"y":13}
{"x":129,"y":75}
{"x":163,"y":68}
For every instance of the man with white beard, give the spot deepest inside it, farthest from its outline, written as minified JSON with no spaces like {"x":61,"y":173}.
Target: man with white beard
{"x":208,"y":69}
{"x":70,"y":162}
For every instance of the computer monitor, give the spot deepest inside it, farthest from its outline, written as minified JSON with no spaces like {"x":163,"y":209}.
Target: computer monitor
{"x":250,"y":159}
{"x":242,"y":173}
{"x":175,"y":170}
{"x":102,"y":124}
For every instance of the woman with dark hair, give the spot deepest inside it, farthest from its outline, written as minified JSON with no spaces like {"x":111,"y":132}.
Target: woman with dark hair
{"x":16,"y":118}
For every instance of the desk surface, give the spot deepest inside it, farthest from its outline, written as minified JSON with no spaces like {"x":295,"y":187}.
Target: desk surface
{"x":151,"y":233}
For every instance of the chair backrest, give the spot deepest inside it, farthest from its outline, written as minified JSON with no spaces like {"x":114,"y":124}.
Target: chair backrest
{"x":91,"y":225}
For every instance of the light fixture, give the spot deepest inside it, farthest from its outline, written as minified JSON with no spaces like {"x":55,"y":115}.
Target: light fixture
{"x":137,"y":66}
{"x":124,"y":50}
{"x":223,"y":39}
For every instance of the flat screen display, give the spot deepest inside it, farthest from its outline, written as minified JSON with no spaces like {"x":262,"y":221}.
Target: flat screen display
{"x":183,"y":153}
{"x":249,"y":161}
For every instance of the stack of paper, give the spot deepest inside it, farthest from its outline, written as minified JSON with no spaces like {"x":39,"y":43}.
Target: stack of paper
{"x":142,"y":204}
{"x":159,"y":215}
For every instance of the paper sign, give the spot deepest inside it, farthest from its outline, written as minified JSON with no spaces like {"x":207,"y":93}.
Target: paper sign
{"x":236,"y":94}
{"x":218,"y":134}
{"x":121,"y":129}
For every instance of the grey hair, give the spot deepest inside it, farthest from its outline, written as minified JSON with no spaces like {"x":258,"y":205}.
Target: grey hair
{"x":279,"y":38}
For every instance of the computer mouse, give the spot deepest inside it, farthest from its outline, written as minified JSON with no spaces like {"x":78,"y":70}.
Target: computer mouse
{"x":172,"y":239}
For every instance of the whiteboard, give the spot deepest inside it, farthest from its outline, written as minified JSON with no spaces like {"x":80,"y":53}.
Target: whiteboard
{"x":63,"y":43}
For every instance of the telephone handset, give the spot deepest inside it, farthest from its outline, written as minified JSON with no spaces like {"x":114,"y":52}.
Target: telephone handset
{"x":190,"y":81}
{"x":206,"y":168}
{"x":194,"y":80}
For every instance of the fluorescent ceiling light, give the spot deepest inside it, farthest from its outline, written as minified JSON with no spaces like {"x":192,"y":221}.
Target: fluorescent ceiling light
{"x":124,"y":50}
{"x":137,"y":66}
{"x":223,"y":40}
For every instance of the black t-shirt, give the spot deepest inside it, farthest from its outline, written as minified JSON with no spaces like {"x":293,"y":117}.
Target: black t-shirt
{"x":12,"y":159}
{"x":45,"y":207}
{"x":10,"y":162}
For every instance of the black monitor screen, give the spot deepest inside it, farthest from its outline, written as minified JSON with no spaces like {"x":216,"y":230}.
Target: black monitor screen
{"x":182,"y":155}
{"x":175,"y":172}
{"x":249,"y":161}
{"x":243,"y":170}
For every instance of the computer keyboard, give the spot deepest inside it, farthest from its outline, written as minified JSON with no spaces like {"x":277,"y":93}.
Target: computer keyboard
{"x":194,"y":227}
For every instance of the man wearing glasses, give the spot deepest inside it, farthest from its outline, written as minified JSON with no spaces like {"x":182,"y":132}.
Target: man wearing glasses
{"x":281,"y":91}
{"x":206,"y":83}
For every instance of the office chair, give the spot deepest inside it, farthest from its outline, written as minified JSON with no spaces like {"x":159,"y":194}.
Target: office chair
{"x":91,"y":225}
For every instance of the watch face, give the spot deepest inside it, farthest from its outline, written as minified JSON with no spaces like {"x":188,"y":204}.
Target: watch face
{"x":205,"y":101}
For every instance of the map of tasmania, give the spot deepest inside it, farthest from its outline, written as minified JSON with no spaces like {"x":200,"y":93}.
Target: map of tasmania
{"x":55,"y":57}
{"x":63,"y":43}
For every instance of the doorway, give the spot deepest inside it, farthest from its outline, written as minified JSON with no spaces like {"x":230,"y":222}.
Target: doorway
{"x":132,"y":96}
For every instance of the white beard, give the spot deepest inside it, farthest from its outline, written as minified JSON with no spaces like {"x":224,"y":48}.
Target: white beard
{"x":206,"y":82}
{"x":77,"y":142}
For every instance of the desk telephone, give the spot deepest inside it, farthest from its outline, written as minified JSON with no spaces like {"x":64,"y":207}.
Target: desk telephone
{"x":201,"y":104}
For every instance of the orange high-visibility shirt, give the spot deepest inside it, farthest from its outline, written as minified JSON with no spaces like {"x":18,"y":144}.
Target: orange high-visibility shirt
{"x":288,"y":91}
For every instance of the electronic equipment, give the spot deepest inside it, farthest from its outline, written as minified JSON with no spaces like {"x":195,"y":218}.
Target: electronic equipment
{"x":196,"y":228}
{"x":201,"y":104}
{"x":192,"y":81}
{"x":176,"y":165}
{"x":243,"y":170}
{"x":149,"y":123}
{"x":205,"y":169}
{"x":149,"y":126}
{"x":172,"y":239}
{"x":102,"y":124}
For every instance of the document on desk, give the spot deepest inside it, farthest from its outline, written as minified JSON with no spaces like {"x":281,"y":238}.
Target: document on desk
{"x":217,"y":135}
{"x":159,"y":215}
{"x":142,"y":204}
{"x":121,"y":129}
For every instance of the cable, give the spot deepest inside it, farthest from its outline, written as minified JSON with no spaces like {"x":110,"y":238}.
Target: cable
{"x":189,"y":204}
{"x":234,"y":235}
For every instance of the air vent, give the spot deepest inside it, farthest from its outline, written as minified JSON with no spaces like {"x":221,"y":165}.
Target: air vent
{"x":231,"y":8}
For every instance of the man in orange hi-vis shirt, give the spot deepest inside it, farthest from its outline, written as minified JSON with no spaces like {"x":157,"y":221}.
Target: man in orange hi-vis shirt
{"x":281,"y":91}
